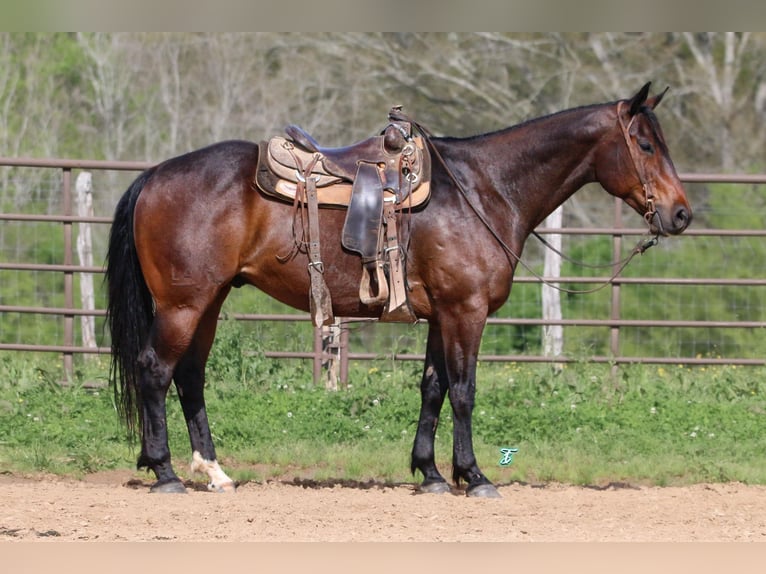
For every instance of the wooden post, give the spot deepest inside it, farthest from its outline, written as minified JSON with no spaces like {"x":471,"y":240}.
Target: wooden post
{"x":331,"y":359}
{"x":84,"y":198}
{"x":343,"y":352}
{"x":553,"y":335}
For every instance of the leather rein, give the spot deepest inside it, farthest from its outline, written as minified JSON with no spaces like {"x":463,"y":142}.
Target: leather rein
{"x":640,"y":248}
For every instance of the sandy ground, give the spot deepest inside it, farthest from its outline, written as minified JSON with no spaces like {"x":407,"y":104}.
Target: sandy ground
{"x":116,"y":507}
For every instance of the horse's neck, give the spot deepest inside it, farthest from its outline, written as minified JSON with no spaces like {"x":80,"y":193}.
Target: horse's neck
{"x":538,"y":165}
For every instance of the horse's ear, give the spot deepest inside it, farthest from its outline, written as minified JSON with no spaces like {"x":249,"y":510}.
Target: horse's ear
{"x":653,"y":101}
{"x":638,"y":100}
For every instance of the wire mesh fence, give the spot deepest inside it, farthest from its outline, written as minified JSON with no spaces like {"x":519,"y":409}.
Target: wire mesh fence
{"x":697,"y":299}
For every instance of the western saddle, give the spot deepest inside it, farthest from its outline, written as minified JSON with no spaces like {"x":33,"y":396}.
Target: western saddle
{"x":375,"y":180}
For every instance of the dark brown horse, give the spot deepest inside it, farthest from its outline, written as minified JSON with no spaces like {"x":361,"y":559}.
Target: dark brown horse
{"x":193,"y":227}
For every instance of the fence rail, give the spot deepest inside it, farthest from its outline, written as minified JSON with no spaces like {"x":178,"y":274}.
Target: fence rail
{"x":68,"y":348}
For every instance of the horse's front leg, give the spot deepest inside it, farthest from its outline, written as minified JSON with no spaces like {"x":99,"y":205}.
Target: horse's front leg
{"x":464,"y":465}
{"x":461,"y":342}
{"x":433,"y":388}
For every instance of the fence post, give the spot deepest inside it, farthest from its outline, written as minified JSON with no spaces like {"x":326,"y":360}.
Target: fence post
{"x":330,"y":356}
{"x":331,"y":359}
{"x":84,"y":188}
{"x":68,"y":276}
{"x":316,"y":361}
{"x":343,"y":351}
{"x":614,"y":314}
{"x":553,"y":335}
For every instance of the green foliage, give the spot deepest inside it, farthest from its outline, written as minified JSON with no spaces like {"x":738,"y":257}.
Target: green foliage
{"x":582,"y":424}
{"x":154,"y":95}
{"x":45,"y":426}
{"x":635,"y":427}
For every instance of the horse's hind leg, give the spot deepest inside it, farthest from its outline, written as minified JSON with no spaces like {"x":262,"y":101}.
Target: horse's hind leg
{"x":169,"y":338}
{"x":190,"y":382}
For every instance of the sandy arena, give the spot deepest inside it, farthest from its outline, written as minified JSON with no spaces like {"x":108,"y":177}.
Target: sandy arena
{"x":114,"y":506}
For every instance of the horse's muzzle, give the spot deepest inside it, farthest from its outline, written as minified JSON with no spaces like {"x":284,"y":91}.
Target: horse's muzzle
{"x":672,"y":223}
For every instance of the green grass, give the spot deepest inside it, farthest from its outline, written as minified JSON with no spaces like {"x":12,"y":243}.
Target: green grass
{"x":579,"y":425}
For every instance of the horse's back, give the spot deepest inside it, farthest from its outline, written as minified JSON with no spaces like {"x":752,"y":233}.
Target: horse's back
{"x":211,"y":163}
{"x":195,"y":178}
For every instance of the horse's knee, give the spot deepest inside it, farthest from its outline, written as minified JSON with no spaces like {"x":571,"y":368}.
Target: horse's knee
{"x":462,"y":399}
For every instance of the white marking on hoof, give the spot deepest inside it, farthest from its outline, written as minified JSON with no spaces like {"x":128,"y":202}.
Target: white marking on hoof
{"x":219,"y":481}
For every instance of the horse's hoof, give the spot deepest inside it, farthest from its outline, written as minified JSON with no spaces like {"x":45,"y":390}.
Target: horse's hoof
{"x":483,"y":491}
{"x":224,"y":487}
{"x":168,"y":487}
{"x":437,"y":487}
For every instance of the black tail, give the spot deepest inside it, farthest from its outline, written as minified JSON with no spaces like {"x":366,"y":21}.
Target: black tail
{"x":129,"y":309}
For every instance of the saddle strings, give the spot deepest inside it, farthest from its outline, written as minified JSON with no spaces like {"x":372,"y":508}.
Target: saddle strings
{"x":640,"y":248}
{"x":300,"y":207}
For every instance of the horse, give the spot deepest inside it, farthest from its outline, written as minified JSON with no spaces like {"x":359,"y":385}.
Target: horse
{"x":191,"y":228}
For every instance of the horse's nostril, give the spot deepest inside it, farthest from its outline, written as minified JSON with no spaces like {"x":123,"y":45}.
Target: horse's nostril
{"x":683,"y":218}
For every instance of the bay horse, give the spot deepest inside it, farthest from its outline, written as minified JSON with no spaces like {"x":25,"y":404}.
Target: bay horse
{"x":190,"y":228}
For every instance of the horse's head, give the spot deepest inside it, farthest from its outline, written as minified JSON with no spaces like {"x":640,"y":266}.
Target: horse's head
{"x":637,"y":168}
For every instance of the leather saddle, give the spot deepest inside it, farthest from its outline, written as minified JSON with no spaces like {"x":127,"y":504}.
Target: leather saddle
{"x":373,"y":180}
{"x":407,"y":182}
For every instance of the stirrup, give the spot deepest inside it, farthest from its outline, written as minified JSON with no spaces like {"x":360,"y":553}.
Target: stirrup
{"x":364,"y":287}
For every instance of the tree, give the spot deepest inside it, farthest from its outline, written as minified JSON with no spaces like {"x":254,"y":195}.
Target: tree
{"x":34,"y":117}
{"x":727,"y":89}
{"x":109,"y":73}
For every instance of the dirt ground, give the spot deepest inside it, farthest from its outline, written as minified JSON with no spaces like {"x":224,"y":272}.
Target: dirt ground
{"x":115,"y":506}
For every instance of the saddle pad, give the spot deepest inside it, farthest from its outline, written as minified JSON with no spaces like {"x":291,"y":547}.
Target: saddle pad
{"x":339,"y":195}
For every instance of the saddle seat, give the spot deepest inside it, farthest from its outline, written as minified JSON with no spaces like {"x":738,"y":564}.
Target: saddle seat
{"x":344,"y":161}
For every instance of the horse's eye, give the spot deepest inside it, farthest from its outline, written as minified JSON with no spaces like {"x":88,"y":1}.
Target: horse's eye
{"x":645,"y":145}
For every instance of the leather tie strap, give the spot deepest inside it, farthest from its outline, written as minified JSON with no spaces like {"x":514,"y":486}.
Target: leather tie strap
{"x":398,"y":309}
{"x":320,"y":301}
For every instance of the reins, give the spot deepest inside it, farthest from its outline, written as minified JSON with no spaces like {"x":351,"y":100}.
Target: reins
{"x":640,"y":248}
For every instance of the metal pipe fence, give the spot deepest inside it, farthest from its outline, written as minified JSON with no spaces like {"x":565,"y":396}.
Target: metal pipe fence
{"x":613,"y":319}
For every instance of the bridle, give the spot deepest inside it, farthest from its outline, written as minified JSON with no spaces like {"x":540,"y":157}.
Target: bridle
{"x":646,"y":183}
